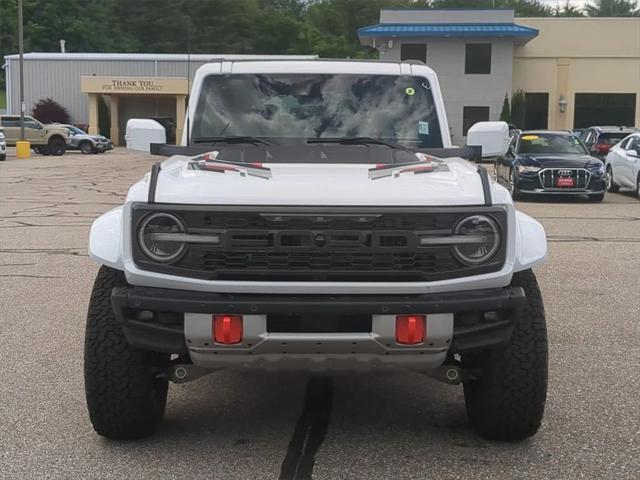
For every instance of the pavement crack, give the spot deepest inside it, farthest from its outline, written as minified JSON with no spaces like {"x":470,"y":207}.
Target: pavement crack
{"x":25,"y":275}
{"x":310,"y":430}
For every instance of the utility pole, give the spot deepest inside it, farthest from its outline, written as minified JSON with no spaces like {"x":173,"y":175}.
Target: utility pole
{"x":23,"y":149}
{"x":21,"y":51}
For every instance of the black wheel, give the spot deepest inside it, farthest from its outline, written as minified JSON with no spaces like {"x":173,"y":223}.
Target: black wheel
{"x":44,"y":151}
{"x":125,"y":397}
{"x":3,"y":157}
{"x":513,"y":188}
{"x":608,"y":178}
{"x":86,"y":148}
{"x":598,"y":197}
{"x":506,"y":401}
{"x":56,"y":146}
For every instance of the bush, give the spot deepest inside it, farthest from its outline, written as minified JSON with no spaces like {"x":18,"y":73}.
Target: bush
{"x":48,"y":110}
{"x":518,"y":108}
{"x":505,"y":115}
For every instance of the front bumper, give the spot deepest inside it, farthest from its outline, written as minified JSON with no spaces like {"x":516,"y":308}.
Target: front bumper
{"x":531,"y":184}
{"x":176,"y":321}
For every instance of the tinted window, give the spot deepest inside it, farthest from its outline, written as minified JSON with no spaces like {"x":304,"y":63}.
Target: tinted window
{"x":477,"y":58}
{"x":634,"y":144}
{"x":550,"y":143}
{"x":301,"y":106}
{"x":471,"y":115}
{"x":413,"y":51}
{"x":11,"y":122}
{"x":30,"y":123}
{"x":607,"y":138}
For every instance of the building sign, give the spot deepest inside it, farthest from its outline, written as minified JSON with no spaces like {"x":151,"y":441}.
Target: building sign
{"x":134,"y":85}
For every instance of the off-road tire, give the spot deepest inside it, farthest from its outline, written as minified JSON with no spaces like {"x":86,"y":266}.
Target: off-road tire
{"x":611,"y":186}
{"x":506,"y":400}
{"x":56,"y":146}
{"x":86,"y":148}
{"x":513,"y":187}
{"x":598,"y":197}
{"x":125,"y":397}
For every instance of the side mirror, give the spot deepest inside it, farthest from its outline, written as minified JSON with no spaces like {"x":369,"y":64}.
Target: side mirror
{"x":493,"y":137}
{"x":632,"y":153}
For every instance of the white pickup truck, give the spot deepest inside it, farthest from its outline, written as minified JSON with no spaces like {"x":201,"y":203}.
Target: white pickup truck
{"x":317,"y":218}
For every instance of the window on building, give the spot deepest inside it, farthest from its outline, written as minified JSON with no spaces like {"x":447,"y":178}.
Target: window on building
{"x":471,"y":115}
{"x":413,"y":51}
{"x":604,"y":109}
{"x":537,"y":111}
{"x":477,"y":58}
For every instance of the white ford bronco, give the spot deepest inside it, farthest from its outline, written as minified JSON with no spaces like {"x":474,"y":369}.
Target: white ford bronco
{"x":317,"y":218}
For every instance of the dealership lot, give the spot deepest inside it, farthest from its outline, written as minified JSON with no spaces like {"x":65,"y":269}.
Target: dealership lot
{"x":231,"y":425}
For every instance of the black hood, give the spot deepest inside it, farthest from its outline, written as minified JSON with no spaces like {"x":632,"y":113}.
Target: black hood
{"x":557,"y":160}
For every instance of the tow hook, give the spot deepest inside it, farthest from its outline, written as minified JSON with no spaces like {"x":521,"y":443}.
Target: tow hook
{"x":451,"y":374}
{"x":185,"y":373}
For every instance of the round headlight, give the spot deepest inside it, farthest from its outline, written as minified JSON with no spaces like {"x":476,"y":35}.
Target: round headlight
{"x":155,"y":237}
{"x":478,"y":239}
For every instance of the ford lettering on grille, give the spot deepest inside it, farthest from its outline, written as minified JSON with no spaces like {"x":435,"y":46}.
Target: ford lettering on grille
{"x":319,"y":240}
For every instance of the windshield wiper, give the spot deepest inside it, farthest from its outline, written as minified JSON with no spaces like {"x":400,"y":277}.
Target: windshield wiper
{"x":232,"y":139}
{"x":357,"y":141}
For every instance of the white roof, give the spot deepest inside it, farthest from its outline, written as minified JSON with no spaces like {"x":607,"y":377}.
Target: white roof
{"x":174,"y":57}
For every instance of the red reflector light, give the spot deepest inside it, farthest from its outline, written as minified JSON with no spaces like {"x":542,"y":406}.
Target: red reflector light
{"x":410,"y":329}
{"x":227,"y":329}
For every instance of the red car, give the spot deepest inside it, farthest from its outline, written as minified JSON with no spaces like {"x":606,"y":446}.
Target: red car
{"x":599,"y":140}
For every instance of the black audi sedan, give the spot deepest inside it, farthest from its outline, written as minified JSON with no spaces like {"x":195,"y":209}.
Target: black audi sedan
{"x":545,"y":162}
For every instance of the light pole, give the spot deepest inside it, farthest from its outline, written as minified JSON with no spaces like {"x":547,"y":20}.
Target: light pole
{"x":23,"y":149}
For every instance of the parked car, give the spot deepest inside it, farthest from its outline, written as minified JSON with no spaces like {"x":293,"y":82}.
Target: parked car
{"x":317,"y":239}
{"x":623,"y":165}
{"x":80,"y":140}
{"x":599,"y":140}
{"x":546,"y":162}
{"x":3,"y":146}
{"x":46,"y":139}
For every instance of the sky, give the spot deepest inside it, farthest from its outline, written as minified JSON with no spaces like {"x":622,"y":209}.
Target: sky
{"x":553,"y":3}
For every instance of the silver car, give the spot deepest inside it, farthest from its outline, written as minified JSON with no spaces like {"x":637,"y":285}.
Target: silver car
{"x":3,"y":145}
{"x":80,"y":140}
{"x":623,"y":165}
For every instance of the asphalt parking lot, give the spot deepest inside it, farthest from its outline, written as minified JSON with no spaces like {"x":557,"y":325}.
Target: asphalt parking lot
{"x":241,"y":426}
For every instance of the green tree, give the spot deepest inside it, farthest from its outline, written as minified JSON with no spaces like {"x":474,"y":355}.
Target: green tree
{"x":613,"y":8}
{"x":568,"y":10}
{"x":505,"y":114}
{"x":523,"y":8}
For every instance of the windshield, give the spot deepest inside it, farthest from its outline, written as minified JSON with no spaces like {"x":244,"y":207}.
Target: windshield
{"x":285,"y":107}
{"x":550,"y":143}
{"x":75,"y":130}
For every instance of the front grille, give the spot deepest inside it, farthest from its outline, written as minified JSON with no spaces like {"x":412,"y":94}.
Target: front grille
{"x":549,"y":177}
{"x":319,"y":244}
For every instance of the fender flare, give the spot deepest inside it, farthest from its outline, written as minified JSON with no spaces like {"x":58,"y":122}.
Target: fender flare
{"x":531,"y":243}
{"x":105,"y":239}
